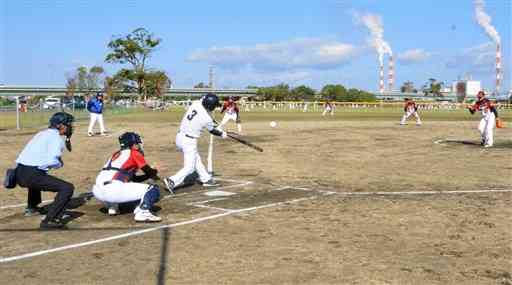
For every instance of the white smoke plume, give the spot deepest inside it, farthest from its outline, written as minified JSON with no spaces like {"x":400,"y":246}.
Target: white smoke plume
{"x":374,"y":24}
{"x":484,"y":20}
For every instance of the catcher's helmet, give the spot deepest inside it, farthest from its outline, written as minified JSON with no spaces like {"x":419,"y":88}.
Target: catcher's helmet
{"x":128,"y":139}
{"x":210,"y":102}
{"x":61,"y":118}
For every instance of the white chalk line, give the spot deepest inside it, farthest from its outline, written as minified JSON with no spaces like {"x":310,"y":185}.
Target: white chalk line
{"x":228,"y":212}
{"x":241,"y":184}
{"x":211,"y":208}
{"x":395,"y":193}
{"x":139,"y":232}
{"x":211,"y":188}
{"x":207,"y":201}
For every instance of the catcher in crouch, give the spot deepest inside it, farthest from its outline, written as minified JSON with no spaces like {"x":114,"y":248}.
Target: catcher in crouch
{"x":410,"y":109}
{"x":117,"y":182}
{"x":488,"y":121}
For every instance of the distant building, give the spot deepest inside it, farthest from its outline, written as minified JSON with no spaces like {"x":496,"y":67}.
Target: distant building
{"x":466,"y":89}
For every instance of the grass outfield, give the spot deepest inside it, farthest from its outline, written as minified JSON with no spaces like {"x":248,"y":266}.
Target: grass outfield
{"x":39,"y":119}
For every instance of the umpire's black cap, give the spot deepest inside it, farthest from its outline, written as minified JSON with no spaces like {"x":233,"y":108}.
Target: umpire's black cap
{"x":61,"y":118}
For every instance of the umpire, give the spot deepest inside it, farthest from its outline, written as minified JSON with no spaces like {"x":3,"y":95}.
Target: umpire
{"x":42,"y":153}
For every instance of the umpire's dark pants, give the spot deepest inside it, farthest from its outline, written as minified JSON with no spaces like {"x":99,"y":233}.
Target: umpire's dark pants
{"x":37,"y":180}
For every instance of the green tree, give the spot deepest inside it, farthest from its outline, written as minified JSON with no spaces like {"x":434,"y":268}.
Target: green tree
{"x":302,"y":93}
{"x":85,"y":80}
{"x":133,"y":49}
{"x":432,"y":87}
{"x":157,"y":82}
{"x":201,"y":85}
{"x":333,"y":92}
{"x":408,"y":87}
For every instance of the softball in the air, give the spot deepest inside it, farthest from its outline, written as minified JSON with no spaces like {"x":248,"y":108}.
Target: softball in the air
{"x":273,"y":124}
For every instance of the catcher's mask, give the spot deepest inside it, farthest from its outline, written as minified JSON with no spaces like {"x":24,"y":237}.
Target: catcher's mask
{"x":65,"y":119}
{"x":129,"y":139}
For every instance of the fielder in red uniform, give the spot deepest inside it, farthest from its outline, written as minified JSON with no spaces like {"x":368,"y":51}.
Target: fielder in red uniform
{"x":232,"y":112}
{"x":328,"y":108}
{"x":488,"y":121}
{"x":410,"y":109}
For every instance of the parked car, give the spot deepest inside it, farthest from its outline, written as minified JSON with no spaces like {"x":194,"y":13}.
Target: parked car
{"x":74,"y":102}
{"x":51,"y":103}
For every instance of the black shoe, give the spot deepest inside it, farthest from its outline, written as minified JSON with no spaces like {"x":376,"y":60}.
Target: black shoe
{"x":29,"y":211}
{"x":52,"y":225}
{"x":169,"y":184}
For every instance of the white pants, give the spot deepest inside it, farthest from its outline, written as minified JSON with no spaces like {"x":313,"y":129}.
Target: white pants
{"x":228,"y":117}
{"x":486,"y":128}
{"x":408,"y":114}
{"x":96,"y":117}
{"x":120,"y":192}
{"x":191,"y":160}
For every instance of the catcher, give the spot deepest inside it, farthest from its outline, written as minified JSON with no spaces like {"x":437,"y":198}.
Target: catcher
{"x":117,"y":183}
{"x":489,"y":118}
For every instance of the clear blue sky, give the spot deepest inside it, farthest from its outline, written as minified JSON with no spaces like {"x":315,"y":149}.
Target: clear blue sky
{"x":256,"y":42}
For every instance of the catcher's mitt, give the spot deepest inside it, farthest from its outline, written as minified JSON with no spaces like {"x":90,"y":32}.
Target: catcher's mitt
{"x":499,"y":123}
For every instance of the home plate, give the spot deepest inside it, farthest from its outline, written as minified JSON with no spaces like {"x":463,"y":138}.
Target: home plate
{"x":218,"y":193}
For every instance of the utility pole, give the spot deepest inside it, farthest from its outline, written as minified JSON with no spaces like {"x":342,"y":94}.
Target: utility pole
{"x":211,"y":76}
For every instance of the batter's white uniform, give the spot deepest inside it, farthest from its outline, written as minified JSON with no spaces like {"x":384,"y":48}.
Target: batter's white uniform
{"x":111,"y":187}
{"x":195,"y":119}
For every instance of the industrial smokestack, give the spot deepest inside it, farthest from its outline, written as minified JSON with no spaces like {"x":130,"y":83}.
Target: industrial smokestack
{"x":498,"y":68}
{"x":381,"y":82}
{"x":374,"y":25}
{"x":391,"y":75}
{"x":484,"y":20}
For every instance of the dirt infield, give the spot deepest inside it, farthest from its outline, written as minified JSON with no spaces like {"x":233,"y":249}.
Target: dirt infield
{"x":305,"y":211}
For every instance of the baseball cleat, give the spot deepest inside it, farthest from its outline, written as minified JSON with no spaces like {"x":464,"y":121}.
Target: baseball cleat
{"x":113,"y":209}
{"x":90,"y":134}
{"x":146,"y":216}
{"x":210,"y":183}
{"x":52,"y":225}
{"x":29,"y":212}
{"x":169,"y":185}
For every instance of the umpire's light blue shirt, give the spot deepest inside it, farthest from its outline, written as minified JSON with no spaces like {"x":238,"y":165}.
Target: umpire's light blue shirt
{"x":43,"y":150}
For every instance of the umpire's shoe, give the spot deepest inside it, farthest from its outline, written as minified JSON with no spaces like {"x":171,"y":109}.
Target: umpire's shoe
{"x":55,"y":224}
{"x":30,"y":211}
{"x":169,"y":184}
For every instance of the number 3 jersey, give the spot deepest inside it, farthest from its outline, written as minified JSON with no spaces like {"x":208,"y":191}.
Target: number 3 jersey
{"x":195,"y":119}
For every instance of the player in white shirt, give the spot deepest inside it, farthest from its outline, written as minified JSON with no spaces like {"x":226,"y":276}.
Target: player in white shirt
{"x":195,"y":119}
